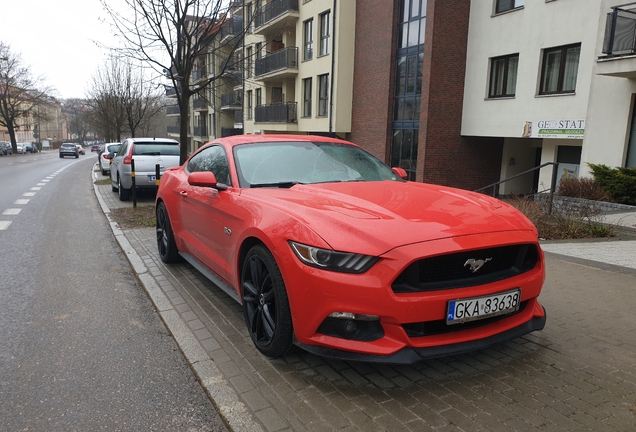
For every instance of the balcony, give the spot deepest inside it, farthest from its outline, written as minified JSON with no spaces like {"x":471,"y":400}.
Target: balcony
{"x":238,"y":116}
{"x":231,"y":101}
{"x":199,"y":105}
{"x":232,"y":30}
{"x":279,"y":65}
{"x":174,"y":130}
{"x":231,"y":69}
{"x":619,"y":44}
{"x":276,"y":15}
{"x":171,"y":92}
{"x":284,"y":112}
{"x":173,"y":110}
{"x":226,"y":132}
{"x":198,"y":74}
{"x":200,"y":131}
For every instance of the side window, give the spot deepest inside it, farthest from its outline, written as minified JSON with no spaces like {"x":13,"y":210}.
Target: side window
{"x":123,"y":149}
{"x":211,"y":159}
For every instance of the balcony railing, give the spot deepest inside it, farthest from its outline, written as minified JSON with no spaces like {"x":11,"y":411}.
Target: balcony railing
{"x":273,"y":10}
{"x":198,"y":74}
{"x":238,"y":116}
{"x":232,"y":99}
{"x":225,"y":131}
{"x":287,"y":58}
{"x":284,"y":112}
{"x":171,"y":91}
{"x":232,"y":27}
{"x":200,"y":131}
{"x":199,"y":103}
{"x":620,"y":31}
{"x":232,"y":68}
{"x":171,"y":110}
{"x":174,"y":129}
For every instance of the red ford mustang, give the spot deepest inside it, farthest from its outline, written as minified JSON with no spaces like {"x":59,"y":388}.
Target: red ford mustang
{"x":329,"y":249}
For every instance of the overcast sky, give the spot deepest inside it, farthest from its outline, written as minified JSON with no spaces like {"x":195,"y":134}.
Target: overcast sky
{"x":55,"y":38}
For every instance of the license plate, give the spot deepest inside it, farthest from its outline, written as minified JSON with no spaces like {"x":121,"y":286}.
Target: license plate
{"x":477,"y":308}
{"x":151,"y":178}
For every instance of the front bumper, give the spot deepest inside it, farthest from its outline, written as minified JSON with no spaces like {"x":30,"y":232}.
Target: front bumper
{"x":315,"y":294}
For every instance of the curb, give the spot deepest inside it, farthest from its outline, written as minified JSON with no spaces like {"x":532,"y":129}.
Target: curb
{"x":221,"y":393}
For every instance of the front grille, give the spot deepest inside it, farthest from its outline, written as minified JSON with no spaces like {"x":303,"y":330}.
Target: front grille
{"x":454,"y":270}
{"x":430,"y":328}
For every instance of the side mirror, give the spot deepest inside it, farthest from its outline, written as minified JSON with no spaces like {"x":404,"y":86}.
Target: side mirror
{"x":401,"y":172}
{"x":205,"y":179}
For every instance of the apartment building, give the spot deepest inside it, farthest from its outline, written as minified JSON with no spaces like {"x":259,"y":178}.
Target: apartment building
{"x":456,"y":92}
{"x":541,"y":75}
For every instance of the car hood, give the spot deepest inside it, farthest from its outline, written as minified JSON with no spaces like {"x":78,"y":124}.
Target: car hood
{"x":374,"y":217}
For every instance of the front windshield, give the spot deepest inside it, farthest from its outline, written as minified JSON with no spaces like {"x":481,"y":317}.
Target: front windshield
{"x":288,"y":163}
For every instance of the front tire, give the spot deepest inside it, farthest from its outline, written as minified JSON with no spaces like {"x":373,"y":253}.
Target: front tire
{"x":265,"y":303}
{"x":166,"y":245}
{"x":124,"y":194}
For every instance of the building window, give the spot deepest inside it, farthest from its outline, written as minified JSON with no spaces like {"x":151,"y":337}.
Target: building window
{"x":249,"y":62}
{"x":307,"y":97}
{"x":250,"y":17}
{"x":259,"y":97}
{"x":308,"y":35}
{"x":506,"y":5}
{"x":323,"y":95}
{"x":249,"y":104}
{"x":408,"y":87}
{"x":324,"y":33}
{"x":259,"y":50}
{"x":412,"y":23}
{"x":503,"y":76}
{"x":560,"y":68}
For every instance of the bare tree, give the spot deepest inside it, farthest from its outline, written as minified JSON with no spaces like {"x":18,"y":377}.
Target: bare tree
{"x":171,"y":36}
{"x":20,"y":93}
{"x":77,"y":113}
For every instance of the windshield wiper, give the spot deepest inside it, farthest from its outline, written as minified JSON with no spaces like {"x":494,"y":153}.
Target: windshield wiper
{"x":284,"y":185}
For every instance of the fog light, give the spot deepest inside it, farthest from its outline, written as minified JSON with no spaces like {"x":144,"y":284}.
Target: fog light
{"x":347,"y":325}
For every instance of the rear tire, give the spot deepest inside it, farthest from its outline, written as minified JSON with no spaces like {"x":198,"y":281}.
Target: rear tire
{"x":166,"y":245}
{"x":124,"y":194}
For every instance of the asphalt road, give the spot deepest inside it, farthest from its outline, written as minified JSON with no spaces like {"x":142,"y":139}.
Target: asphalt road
{"x":82,"y":348}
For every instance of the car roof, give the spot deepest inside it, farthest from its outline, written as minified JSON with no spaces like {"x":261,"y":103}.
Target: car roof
{"x":154,"y":140}
{"x":250,"y":139}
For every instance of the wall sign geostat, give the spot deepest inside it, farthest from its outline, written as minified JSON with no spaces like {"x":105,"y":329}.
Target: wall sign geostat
{"x":565,"y":128}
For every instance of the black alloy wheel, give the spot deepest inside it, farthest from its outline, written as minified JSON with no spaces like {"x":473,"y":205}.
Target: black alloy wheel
{"x":166,"y":245}
{"x":265,"y":303}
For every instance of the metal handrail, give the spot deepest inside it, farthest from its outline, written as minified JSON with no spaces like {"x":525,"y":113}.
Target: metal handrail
{"x":495,"y":189}
{"x":610,"y":29}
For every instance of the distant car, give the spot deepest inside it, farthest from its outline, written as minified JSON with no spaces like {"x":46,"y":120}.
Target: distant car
{"x":103,"y":158}
{"x":80,"y":149}
{"x":95,"y":148}
{"x":147,"y":153}
{"x":20,"y":148}
{"x":5,"y":148}
{"x":69,"y":149}
{"x":28,"y":147}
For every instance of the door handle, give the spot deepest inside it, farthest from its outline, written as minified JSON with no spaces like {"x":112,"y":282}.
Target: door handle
{"x":184,"y":194}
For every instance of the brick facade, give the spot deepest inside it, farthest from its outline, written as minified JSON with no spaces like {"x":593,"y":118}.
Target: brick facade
{"x":444,"y":156}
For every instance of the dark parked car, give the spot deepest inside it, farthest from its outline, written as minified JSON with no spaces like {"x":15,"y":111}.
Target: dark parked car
{"x":5,"y":148}
{"x":28,"y":147}
{"x":69,"y":149}
{"x":95,"y":148}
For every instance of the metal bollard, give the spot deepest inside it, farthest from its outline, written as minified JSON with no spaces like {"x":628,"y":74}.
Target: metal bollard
{"x":134,"y":193}
{"x":157,"y":176}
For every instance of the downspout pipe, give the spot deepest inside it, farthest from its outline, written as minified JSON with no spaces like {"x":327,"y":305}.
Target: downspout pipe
{"x":333,"y":68}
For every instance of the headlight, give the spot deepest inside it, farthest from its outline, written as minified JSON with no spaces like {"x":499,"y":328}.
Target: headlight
{"x":328,"y":259}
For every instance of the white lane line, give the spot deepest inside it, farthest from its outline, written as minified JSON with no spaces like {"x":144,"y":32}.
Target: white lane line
{"x":21,"y":201}
{"x":4,"y":225}
{"x":41,"y":184}
{"x":35,"y":188}
{"x":45,"y":180}
{"x":12,"y":211}
{"x":28,"y":194}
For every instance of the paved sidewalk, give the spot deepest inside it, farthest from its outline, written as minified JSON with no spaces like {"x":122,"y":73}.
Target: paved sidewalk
{"x":579,"y":373}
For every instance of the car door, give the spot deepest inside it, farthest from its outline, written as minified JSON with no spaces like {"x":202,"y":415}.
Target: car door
{"x":210,"y":216}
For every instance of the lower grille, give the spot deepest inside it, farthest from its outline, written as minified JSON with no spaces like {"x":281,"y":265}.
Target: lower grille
{"x":457,"y":270}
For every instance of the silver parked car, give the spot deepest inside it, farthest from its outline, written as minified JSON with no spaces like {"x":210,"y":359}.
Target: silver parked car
{"x":103,"y":156}
{"x":147,"y":153}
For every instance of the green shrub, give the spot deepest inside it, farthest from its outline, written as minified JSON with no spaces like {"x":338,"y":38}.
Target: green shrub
{"x":619,"y":183}
{"x":586,"y":188}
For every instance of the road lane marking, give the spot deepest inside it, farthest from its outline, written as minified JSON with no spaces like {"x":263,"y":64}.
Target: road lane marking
{"x":28,"y":194}
{"x":21,"y":201}
{"x":41,"y":184}
{"x":35,"y":188}
{"x":12,"y":211}
{"x":4,"y":225}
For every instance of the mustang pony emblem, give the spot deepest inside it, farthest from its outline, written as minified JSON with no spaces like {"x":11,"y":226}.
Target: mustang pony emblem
{"x":476,"y":264}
